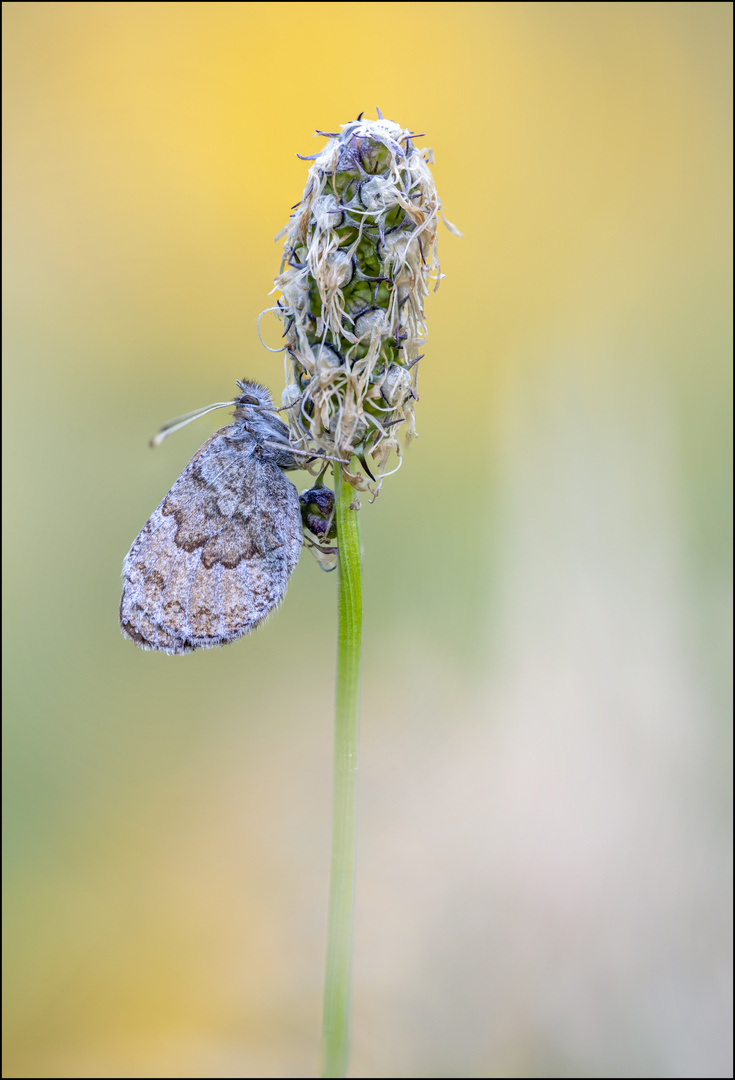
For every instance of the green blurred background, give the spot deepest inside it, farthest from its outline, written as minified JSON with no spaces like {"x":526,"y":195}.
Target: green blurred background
{"x":544,"y":875}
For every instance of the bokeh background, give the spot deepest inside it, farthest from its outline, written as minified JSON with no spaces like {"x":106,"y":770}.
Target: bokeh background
{"x":544,"y":875}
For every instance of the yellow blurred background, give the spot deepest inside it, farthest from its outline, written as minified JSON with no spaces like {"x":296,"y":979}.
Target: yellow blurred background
{"x":544,"y":875}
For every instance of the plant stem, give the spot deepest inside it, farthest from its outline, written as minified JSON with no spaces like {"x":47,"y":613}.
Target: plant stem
{"x":336,"y":1029}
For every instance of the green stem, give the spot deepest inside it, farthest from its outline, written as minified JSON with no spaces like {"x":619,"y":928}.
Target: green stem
{"x":336,"y":1029}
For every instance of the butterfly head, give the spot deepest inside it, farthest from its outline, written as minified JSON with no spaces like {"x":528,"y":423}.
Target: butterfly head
{"x":252,"y":393}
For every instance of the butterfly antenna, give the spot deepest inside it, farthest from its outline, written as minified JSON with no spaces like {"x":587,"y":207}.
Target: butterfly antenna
{"x":181,"y":421}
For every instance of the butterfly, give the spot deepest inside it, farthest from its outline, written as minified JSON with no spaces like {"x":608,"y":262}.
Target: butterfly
{"x":215,"y":557}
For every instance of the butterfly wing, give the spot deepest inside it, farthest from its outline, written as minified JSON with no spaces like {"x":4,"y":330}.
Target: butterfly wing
{"x":215,"y":557}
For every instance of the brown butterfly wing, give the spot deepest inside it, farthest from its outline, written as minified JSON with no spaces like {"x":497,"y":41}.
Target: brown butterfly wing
{"x":215,"y":557}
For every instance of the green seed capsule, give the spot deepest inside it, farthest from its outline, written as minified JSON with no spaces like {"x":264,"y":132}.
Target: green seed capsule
{"x":358,"y":255}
